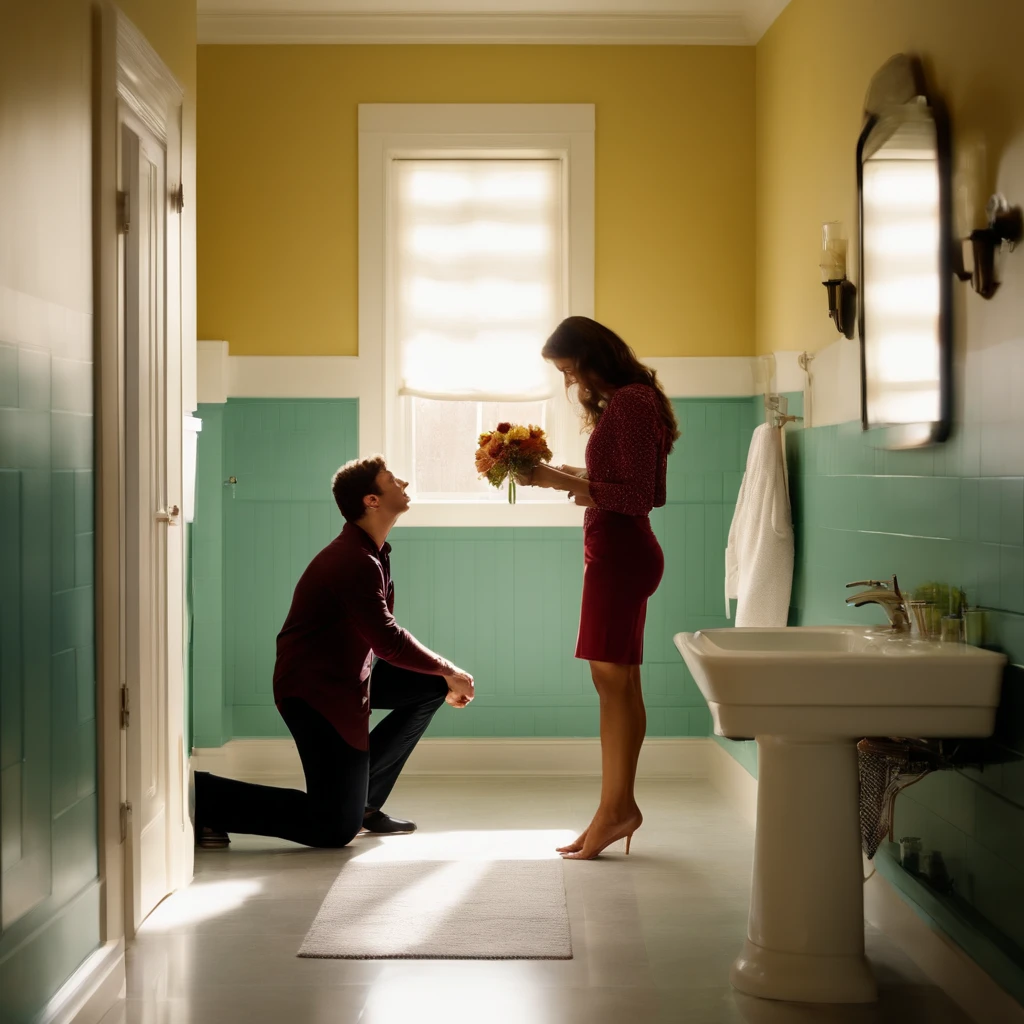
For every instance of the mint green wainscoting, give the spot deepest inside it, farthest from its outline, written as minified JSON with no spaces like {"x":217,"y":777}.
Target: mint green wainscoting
{"x":502,"y":602}
{"x":49,"y":887}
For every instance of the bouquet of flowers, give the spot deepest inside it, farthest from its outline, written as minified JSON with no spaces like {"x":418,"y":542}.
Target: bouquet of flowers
{"x":508,"y":450}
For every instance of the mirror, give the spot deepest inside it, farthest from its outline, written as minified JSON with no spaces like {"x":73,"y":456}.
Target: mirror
{"x":903,"y":186}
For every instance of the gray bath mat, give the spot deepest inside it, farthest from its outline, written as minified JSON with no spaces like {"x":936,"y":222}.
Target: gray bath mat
{"x":475,"y":909}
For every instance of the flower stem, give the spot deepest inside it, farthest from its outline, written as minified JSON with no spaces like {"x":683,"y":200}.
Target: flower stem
{"x":511,"y":489}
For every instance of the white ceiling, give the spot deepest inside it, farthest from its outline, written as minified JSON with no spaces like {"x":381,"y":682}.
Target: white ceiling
{"x":707,"y":22}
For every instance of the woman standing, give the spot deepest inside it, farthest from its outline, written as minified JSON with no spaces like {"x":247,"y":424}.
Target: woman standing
{"x":633,"y":429}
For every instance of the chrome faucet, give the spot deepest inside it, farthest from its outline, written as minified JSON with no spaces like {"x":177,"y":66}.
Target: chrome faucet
{"x":889,"y":596}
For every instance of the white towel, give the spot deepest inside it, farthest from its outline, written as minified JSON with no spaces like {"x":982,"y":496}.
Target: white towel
{"x":759,"y":556}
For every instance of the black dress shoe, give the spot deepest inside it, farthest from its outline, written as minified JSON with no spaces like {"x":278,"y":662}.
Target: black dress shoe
{"x":211,"y":839}
{"x":378,"y":821}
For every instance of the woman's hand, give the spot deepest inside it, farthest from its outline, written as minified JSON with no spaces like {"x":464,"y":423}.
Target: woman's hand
{"x":582,"y":500}
{"x":577,"y":471}
{"x":550,"y":476}
{"x":537,"y":476}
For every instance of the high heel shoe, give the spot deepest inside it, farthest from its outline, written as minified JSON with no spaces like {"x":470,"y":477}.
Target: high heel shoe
{"x":623,"y":833}
{"x":576,"y":845}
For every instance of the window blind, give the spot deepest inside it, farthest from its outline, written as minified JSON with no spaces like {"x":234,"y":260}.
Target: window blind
{"x":477,"y":272}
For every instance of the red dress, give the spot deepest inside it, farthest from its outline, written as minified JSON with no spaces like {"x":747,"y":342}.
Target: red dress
{"x":627,"y":457}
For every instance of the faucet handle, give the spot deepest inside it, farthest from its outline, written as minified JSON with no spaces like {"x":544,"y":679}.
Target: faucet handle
{"x":868,"y":583}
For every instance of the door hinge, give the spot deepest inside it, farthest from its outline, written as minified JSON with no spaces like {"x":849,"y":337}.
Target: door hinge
{"x":126,"y":817}
{"x":178,"y":198}
{"x":126,"y":707}
{"x":124,"y":212}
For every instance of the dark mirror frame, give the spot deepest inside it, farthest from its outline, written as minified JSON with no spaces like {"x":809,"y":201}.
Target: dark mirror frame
{"x":901,"y":81}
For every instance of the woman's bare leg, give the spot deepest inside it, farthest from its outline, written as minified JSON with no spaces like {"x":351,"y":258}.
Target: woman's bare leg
{"x":623,"y":722}
{"x":639,"y":719}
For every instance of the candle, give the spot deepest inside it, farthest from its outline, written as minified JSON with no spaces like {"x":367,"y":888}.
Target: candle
{"x":833,"y":252}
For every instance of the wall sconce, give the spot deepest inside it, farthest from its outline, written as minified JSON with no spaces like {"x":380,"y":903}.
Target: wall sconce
{"x":842,"y":295}
{"x":1005,"y":224}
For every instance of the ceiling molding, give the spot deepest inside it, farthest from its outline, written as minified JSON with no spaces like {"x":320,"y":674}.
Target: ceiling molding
{"x":762,"y":15}
{"x":556,"y":29}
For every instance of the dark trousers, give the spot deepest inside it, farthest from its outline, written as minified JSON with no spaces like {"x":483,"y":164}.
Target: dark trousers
{"x":342,"y":783}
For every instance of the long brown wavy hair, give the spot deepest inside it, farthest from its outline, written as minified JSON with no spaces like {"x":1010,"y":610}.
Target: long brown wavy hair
{"x":601,"y":358}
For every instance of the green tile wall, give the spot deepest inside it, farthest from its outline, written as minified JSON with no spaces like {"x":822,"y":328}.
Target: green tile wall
{"x":469,"y":593}
{"x":49,"y":890}
{"x":211,"y":719}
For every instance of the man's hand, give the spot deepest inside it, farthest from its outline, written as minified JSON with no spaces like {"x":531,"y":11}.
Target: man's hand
{"x":460,"y":689}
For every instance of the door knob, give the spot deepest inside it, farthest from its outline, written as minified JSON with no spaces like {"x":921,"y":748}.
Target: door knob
{"x":168,"y":515}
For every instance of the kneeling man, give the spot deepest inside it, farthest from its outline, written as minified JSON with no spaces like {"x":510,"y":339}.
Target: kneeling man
{"x":342,"y":615}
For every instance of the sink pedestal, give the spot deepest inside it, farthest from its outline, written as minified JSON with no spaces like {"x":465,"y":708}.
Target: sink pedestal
{"x":808,"y":693}
{"x":805,"y":937}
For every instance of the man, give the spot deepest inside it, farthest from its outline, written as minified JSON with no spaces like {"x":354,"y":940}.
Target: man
{"x":341,"y":615}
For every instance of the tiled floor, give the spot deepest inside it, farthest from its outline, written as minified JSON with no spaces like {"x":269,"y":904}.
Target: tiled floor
{"x":653,"y":934}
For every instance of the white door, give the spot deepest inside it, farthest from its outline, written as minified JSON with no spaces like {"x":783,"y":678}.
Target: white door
{"x":149,"y":520}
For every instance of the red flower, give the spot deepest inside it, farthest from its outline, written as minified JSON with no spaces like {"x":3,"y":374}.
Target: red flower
{"x":504,"y":428}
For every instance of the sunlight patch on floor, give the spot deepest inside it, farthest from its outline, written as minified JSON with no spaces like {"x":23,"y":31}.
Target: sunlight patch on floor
{"x":201,"y":901}
{"x":482,"y":845}
{"x":438,"y":1001}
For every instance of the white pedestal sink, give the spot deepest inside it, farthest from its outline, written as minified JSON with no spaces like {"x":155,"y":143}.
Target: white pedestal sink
{"x":808,"y":695}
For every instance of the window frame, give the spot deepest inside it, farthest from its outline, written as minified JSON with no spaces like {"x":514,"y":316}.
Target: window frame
{"x":389,"y":132}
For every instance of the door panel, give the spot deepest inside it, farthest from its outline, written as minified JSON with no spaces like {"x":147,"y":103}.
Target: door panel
{"x":145,"y":523}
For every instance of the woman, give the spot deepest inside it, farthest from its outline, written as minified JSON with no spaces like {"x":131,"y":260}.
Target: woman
{"x":633,"y":429}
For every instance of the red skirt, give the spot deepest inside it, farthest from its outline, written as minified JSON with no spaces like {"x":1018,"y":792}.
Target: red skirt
{"x":622,"y":567}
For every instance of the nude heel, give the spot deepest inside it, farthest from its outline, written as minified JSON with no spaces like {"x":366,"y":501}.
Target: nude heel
{"x":626,"y":833}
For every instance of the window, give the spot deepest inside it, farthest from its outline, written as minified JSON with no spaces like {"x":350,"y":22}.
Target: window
{"x":484,"y":242}
{"x":477,"y":284}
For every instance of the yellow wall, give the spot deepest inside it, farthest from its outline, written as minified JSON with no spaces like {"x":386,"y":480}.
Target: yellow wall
{"x":46,"y":204}
{"x":813,"y":69}
{"x":278,"y":166}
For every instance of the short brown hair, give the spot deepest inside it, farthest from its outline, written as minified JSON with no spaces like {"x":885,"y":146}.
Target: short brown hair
{"x":353,"y":482}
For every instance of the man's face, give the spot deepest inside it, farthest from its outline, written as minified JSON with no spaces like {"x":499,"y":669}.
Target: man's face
{"x":392,"y":498}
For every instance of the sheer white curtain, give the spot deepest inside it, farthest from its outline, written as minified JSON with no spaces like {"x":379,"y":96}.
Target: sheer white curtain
{"x":478,"y":277}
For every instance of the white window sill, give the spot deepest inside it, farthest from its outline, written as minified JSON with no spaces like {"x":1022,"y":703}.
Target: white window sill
{"x":488,"y":514}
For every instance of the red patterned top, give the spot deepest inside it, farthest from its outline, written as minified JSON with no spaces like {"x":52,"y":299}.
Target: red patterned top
{"x":627,"y":455}
{"x":341,"y":614}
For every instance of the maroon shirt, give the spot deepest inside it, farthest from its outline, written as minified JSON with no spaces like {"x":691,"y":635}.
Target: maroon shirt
{"x":627,"y":455}
{"x":341,"y":613}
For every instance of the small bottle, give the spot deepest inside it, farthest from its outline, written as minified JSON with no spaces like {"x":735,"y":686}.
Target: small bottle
{"x":910,"y":854}
{"x":952,"y":629}
{"x":974,"y":627}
